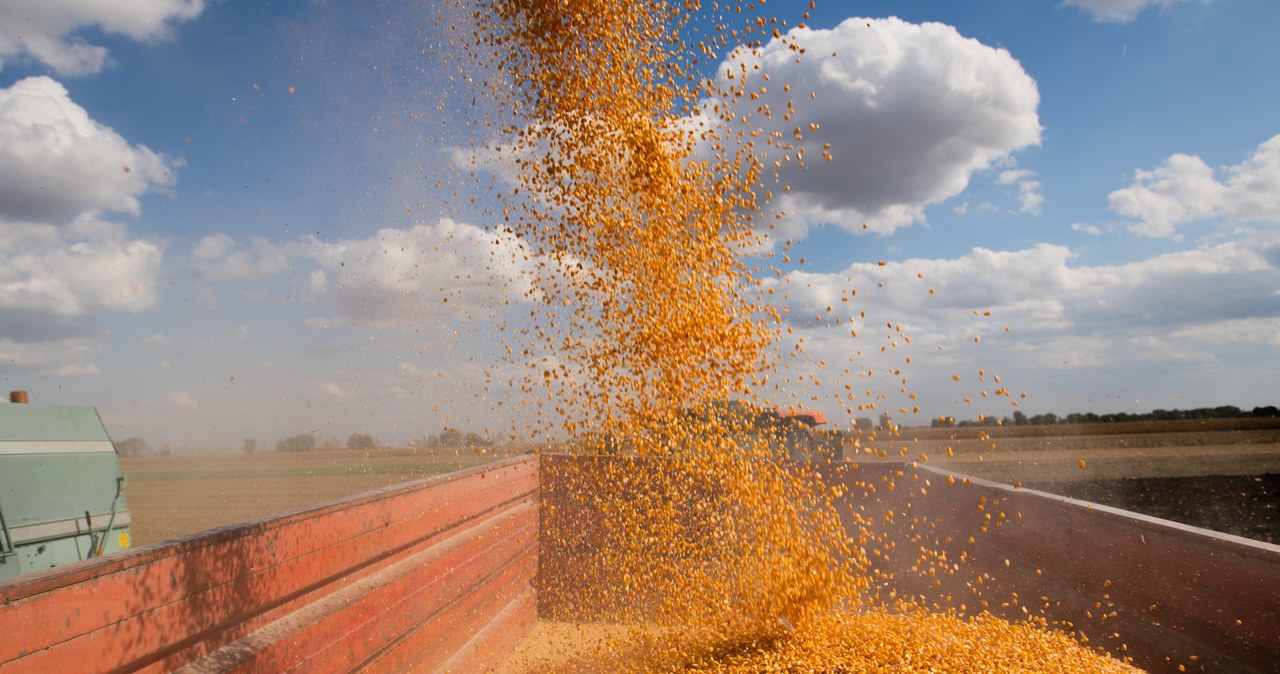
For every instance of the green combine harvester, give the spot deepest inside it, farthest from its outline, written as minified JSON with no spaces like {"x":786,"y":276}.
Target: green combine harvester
{"x":61,"y":491}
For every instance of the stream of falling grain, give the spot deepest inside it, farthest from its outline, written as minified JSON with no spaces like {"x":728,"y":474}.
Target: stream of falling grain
{"x":640,"y":197}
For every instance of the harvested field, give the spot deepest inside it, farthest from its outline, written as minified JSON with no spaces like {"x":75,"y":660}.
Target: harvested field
{"x":1220,"y":474}
{"x":1116,"y":451}
{"x":173,"y":496}
{"x":1241,"y":505}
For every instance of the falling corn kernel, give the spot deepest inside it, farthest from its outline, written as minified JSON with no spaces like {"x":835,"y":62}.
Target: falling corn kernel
{"x":649,"y":342}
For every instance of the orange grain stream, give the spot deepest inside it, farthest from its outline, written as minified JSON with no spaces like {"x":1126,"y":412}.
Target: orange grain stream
{"x":639,"y":196}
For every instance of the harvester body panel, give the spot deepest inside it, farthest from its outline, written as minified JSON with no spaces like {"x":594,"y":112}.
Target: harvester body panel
{"x":61,"y":491}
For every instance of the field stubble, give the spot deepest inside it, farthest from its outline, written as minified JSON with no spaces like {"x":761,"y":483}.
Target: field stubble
{"x":181,"y":494}
{"x":1041,"y":454}
{"x":172,"y":496}
{"x":1219,"y":474}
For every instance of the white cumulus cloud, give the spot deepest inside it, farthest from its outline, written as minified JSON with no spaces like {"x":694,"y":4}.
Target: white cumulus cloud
{"x":55,"y":161}
{"x":61,"y":262}
{"x":1086,"y":228}
{"x":1121,"y":11}
{"x":1030,"y":199}
{"x":219,"y":257}
{"x":1185,"y":189}
{"x":1169,"y":319}
{"x":911,"y":112}
{"x":45,"y":30}
{"x":81,"y":277}
{"x":445,"y":268}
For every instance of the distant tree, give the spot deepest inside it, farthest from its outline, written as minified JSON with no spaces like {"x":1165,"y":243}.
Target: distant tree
{"x":450,"y":437}
{"x":943,"y":422}
{"x":250,"y":446}
{"x":303,"y":442}
{"x":1019,"y":418}
{"x":362,"y":441}
{"x":1047,"y":419}
{"x":864,"y":424}
{"x":1268,"y":411}
{"x":131,"y":447}
{"x":475,"y":440}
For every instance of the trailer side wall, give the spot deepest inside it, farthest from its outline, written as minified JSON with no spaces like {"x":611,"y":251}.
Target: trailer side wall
{"x":426,"y":576}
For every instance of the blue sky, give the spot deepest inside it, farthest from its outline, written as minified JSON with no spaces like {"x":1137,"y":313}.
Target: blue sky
{"x":222,"y":221}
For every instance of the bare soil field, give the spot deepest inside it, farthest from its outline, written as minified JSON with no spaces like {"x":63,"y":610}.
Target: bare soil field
{"x":1114,"y":451}
{"x":1159,"y":468}
{"x":1220,"y":474}
{"x":177,"y":495}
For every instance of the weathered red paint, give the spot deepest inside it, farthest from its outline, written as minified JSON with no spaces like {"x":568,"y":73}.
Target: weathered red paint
{"x":161,"y":607}
{"x":440,"y":575}
{"x":352,"y":626}
{"x":1167,"y":591}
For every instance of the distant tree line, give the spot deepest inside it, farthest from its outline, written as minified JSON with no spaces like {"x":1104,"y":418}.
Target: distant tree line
{"x":302,"y":442}
{"x":1051,"y":419}
{"x":451,"y":437}
{"x":306,"y":442}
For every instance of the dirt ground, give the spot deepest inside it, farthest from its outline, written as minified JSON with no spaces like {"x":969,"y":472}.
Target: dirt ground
{"x":1110,"y":451}
{"x":1220,"y":474}
{"x":1242,"y":505}
{"x":173,"y":496}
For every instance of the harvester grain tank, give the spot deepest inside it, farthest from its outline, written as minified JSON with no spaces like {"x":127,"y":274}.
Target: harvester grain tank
{"x":61,"y":491}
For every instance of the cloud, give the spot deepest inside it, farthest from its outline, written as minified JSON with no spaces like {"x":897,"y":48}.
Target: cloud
{"x":1260,"y":330}
{"x":81,"y":277}
{"x":1168,"y":319}
{"x":1030,"y":199}
{"x":56,"y":162}
{"x":61,"y":263}
{"x":45,"y":30}
{"x":219,"y":258}
{"x":47,"y":354}
{"x":442,"y":269}
{"x":1184,"y":189}
{"x":911,"y":112}
{"x":1043,"y":289}
{"x":74,"y":370}
{"x":1122,"y":11}
{"x":1086,"y":228}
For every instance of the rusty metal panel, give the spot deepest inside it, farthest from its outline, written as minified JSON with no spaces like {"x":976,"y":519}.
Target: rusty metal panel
{"x":348,"y":627}
{"x":160,"y":607}
{"x":1137,"y":586}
